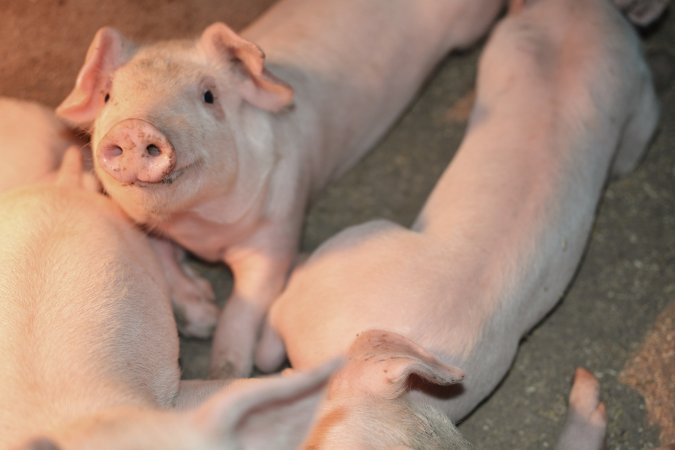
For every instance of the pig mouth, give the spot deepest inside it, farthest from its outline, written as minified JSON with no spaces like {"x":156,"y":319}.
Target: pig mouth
{"x":168,"y":179}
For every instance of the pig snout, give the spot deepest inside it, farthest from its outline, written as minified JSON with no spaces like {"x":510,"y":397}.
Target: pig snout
{"x":134,"y":150}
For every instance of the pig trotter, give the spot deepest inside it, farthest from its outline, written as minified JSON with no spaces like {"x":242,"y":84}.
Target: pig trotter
{"x":586,"y":419}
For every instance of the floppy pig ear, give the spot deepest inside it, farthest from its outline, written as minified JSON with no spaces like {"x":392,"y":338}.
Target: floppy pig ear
{"x":259,"y":88}
{"x":107,"y":51}
{"x":388,"y":360}
{"x":275,"y":412}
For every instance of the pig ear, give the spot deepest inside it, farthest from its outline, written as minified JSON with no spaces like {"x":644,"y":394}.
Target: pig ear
{"x":277,"y":409}
{"x":259,"y":87}
{"x":107,"y":52}
{"x":387,"y":361}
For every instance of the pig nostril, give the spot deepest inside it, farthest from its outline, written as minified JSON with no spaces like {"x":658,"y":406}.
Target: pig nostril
{"x":114,"y":151}
{"x":153,"y":150}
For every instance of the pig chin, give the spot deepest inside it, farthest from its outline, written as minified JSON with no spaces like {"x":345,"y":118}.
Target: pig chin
{"x":146,"y":203}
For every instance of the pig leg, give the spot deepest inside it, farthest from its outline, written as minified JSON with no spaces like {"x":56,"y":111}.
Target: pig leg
{"x":271,"y":352}
{"x":192,"y":296}
{"x":260,"y":269}
{"x":236,"y":336}
{"x":637,"y":133}
{"x":586,"y":420}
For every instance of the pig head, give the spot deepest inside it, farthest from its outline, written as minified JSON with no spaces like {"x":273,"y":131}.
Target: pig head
{"x":168,"y":115}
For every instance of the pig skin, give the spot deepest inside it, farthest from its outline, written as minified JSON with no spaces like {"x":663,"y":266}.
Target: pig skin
{"x":90,"y":346}
{"x":564,"y":99}
{"x":250,"y":149}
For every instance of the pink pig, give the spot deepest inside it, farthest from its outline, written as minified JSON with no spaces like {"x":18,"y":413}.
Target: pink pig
{"x":89,"y":342}
{"x":199,"y":140}
{"x":564,"y":98}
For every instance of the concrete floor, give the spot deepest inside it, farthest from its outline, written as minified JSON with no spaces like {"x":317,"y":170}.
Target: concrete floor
{"x":616,"y":318}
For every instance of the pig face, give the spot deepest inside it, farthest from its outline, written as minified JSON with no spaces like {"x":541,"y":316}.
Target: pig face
{"x":172,"y":123}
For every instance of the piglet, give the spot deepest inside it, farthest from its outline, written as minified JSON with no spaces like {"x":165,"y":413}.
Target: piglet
{"x":564,"y":99}
{"x":32,"y":142}
{"x":212,"y":147}
{"x":89,"y":343}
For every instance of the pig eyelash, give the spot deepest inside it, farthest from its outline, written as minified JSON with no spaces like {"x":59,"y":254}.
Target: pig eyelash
{"x":209,"y":97}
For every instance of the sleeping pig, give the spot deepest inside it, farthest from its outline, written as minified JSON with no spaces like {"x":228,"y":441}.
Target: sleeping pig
{"x":564,"y":99}
{"x":89,"y":343}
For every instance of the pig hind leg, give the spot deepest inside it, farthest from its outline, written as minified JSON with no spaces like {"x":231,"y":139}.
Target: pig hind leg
{"x":638,"y":132}
{"x":586,"y":421}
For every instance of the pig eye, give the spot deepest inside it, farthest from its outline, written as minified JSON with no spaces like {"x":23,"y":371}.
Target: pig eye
{"x":208,"y":97}
{"x":106,"y":98}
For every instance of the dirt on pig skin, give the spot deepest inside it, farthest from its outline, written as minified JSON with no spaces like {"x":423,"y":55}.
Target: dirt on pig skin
{"x":623,"y":287}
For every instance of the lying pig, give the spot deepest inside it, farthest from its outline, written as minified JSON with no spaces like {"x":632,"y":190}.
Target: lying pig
{"x":202,"y":143}
{"x":32,"y":142}
{"x":564,"y":98}
{"x":89,"y":344}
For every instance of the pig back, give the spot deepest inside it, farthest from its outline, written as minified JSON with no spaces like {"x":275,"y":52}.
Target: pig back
{"x":82,"y":298}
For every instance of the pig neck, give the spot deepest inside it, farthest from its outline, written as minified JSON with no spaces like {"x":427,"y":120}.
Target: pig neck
{"x":349,"y":63}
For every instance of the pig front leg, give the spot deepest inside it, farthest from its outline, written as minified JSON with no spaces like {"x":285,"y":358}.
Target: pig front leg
{"x":192,"y":296}
{"x":260,"y":268}
{"x":586,"y":420}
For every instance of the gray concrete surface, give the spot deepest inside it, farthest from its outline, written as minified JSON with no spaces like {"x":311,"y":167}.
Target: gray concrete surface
{"x":619,"y":299}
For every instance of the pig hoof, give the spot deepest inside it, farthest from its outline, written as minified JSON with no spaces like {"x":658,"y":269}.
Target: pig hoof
{"x":196,"y":319}
{"x":585,"y":398}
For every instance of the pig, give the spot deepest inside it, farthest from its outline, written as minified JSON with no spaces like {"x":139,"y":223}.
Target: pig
{"x":33,"y":141}
{"x":564,"y":99}
{"x":219,"y":149}
{"x":90,"y":346}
